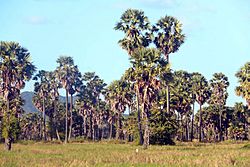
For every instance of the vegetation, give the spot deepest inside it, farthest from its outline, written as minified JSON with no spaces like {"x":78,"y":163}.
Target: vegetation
{"x":149,"y":104}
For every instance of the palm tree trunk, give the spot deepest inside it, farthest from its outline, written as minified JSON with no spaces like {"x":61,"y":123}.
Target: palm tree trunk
{"x":111,"y":129}
{"x":187,"y":129}
{"x":181,"y":127}
{"x":200,"y":123}
{"x":118,"y":130}
{"x":8,"y":138}
{"x":71,"y":116}
{"x":57,"y":134}
{"x":139,"y":115}
{"x":66,"y":117}
{"x":91,"y":125}
{"x":146,"y":131}
{"x":44,"y":120}
{"x":168,"y":97}
{"x":56,"y":125}
{"x":192,"y":125}
{"x":85,"y":125}
{"x":220,"y":130}
{"x":167,"y":88}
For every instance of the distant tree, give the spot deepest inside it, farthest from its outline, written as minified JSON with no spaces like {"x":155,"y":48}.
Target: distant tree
{"x":218,"y":85}
{"x":243,"y":76}
{"x":202,"y":94}
{"x":75,"y":84}
{"x":15,"y":69}
{"x":239,"y":122}
{"x":64,"y":73}
{"x":89,"y":103}
{"x":119,"y":96}
{"x":42,"y":89}
{"x":181,"y":99}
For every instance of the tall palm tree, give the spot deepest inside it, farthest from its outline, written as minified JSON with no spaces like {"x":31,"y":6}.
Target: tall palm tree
{"x":193,"y":90}
{"x":147,"y":66}
{"x":168,"y":38}
{"x":202,"y":94}
{"x":218,"y":85}
{"x":136,"y":27}
{"x":243,"y":89}
{"x":54,"y":96}
{"x":75,"y":84}
{"x":15,"y":69}
{"x":63,"y":73}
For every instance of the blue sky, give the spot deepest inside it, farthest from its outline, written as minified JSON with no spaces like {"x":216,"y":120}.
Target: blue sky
{"x":217,"y":34}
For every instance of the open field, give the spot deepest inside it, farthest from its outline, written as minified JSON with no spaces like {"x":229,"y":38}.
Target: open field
{"x":106,"y":154}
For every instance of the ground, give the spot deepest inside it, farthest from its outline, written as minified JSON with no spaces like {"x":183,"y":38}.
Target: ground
{"x":111,"y":154}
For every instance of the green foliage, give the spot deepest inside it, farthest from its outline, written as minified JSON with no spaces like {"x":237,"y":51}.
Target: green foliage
{"x":163,"y":127}
{"x":10,"y":126}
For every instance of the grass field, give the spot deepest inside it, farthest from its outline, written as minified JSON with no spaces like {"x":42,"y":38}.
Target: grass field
{"x":107,"y":154}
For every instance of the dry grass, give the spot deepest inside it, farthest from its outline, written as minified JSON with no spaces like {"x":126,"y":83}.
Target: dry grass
{"x":107,"y":154}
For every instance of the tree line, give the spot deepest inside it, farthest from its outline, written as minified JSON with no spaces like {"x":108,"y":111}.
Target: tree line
{"x":159,"y":102}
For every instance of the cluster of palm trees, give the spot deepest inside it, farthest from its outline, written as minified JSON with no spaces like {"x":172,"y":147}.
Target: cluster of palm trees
{"x":159,"y":102}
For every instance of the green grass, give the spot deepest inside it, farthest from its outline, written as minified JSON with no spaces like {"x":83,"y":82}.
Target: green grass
{"x":108,"y":154}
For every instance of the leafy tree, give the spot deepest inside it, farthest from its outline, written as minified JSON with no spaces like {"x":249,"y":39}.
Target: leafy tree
{"x":163,"y":124}
{"x":30,"y":126}
{"x":15,"y":69}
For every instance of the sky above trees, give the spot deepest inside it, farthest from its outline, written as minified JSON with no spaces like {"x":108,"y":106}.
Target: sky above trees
{"x":217,"y":34}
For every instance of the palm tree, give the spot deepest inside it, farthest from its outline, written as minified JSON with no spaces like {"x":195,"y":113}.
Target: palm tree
{"x":181,"y":98}
{"x":219,"y":84}
{"x":15,"y":69}
{"x":193,"y":90}
{"x":136,"y":28}
{"x":202,"y":94}
{"x":147,"y":66}
{"x":63,"y":73}
{"x":119,"y":96}
{"x":168,"y":38}
{"x":54,"y":96}
{"x":243,"y":76}
{"x":42,"y":89}
{"x":89,"y":102}
{"x":75,"y":84}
